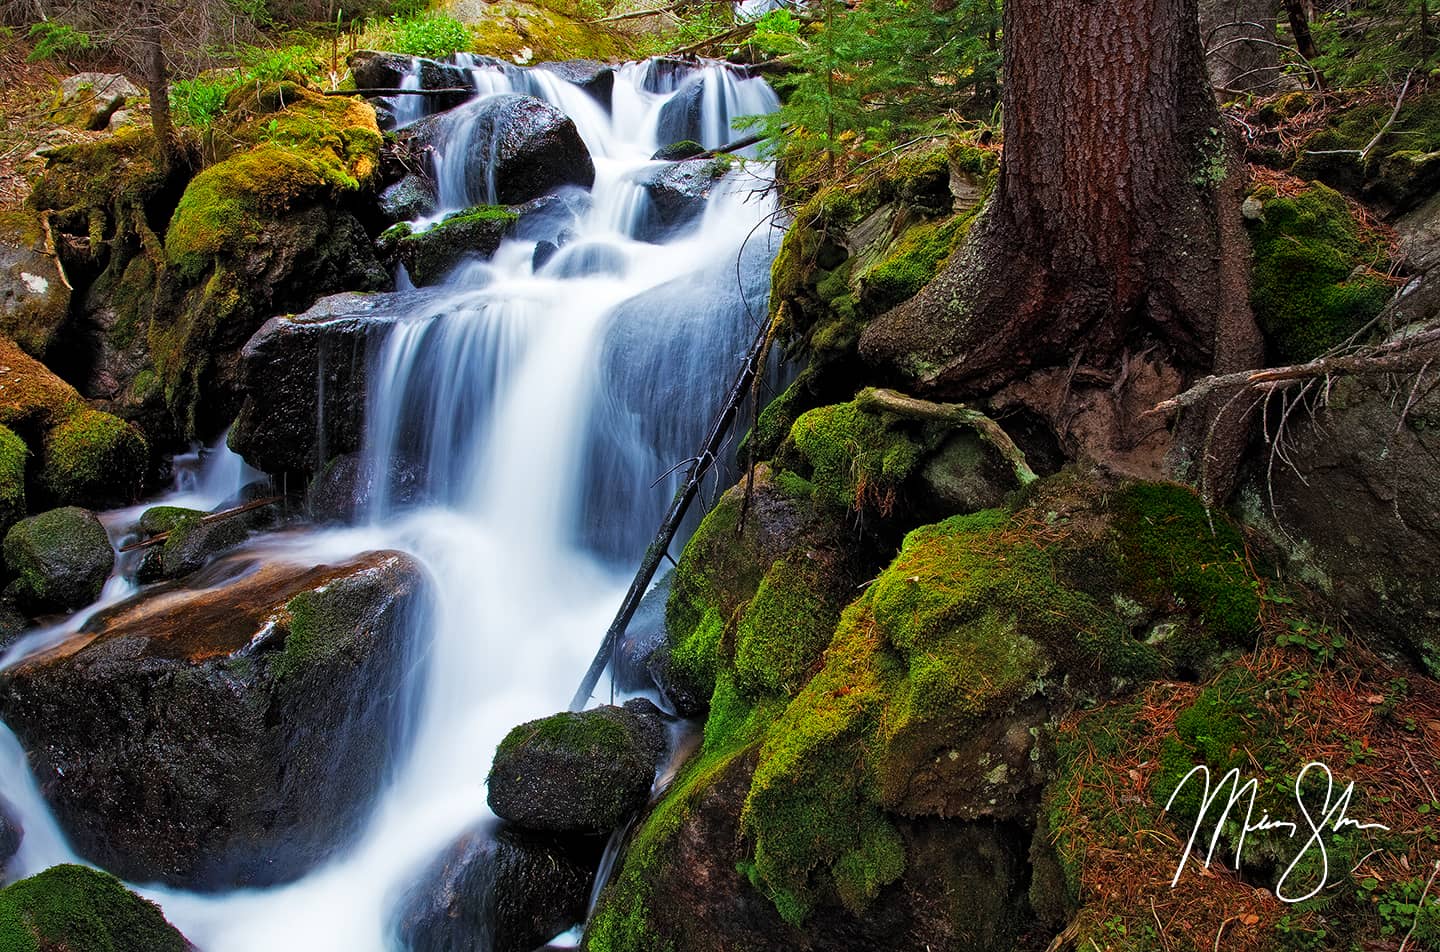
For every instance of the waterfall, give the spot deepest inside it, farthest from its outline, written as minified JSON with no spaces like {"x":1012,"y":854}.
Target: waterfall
{"x":541,"y":404}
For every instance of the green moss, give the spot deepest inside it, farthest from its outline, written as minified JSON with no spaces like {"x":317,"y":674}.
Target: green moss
{"x":784,"y":630}
{"x":855,"y":458}
{"x":1402,"y":168}
{"x":13,"y":456}
{"x":580,"y":732}
{"x":912,"y":262}
{"x":510,"y":29}
{"x":158,"y":519}
{"x":77,"y":908}
{"x":1311,"y":290}
{"x":94,"y":458}
{"x":1175,"y":550}
{"x":429,"y":255}
{"x":325,"y":623}
{"x":113,"y":176}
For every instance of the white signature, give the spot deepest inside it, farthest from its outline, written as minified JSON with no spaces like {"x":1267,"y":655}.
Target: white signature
{"x":1331,"y":818}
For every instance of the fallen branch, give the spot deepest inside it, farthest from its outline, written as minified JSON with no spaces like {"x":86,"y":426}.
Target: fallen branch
{"x":735,"y":146}
{"x":160,"y":538}
{"x":955,"y":414}
{"x":635,"y":14}
{"x":741,"y":30}
{"x":660,"y":547}
{"x":1389,"y":123}
{"x":445,"y":91}
{"x":1405,"y":355}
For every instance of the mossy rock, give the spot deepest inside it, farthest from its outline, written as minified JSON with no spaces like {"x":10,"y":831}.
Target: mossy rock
{"x":1400,"y":172}
{"x":94,"y":187}
{"x":32,"y":399}
{"x":264,"y":229}
{"x":60,"y":559}
{"x":81,"y":909}
{"x":94,"y":459}
{"x":578,"y":772}
{"x":34,"y":295}
{"x":1317,"y":276}
{"x":13,"y":456}
{"x":431,"y":254}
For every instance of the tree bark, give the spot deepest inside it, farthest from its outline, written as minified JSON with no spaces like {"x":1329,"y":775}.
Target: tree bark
{"x":1300,"y":26}
{"x":1114,"y":230}
{"x":157,"y":84}
{"x":1240,"y":43}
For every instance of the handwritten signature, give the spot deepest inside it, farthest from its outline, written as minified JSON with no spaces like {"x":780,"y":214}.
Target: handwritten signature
{"x":1332,"y":818}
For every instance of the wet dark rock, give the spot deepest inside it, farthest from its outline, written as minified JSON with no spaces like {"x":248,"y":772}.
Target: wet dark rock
{"x":410,"y":198}
{"x":500,"y":890}
{"x":297,"y":371}
{"x":678,"y":192}
{"x":229,"y":730}
{"x":593,"y":76}
{"x":60,"y":559}
{"x":578,"y":772}
{"x":544,"y":251}
{"x":11,"y":833}
{"x":588,"y":259}
{"x":77,"y":909}
{"x":344,"y":490}
{"x":664,"y":74}
{"x":191,"y":544}
{"x":682,"y":117}
{"x":526,"y":147}
{"x":375,"y":70}
{"x":642,"y":638}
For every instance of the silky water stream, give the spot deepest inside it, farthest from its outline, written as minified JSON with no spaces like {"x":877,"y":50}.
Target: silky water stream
{"x":536,"y":407}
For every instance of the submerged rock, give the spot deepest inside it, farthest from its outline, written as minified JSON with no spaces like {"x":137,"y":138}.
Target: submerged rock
{"x":578,"y":772}
{"x":678,"y":192}
{"x":304,"y":376}
{"x":78,"y":909}
{"x":499,"y":890}
{"x":345,"y":489}
{"x":11,"y":834}
{"x":60,"y":559}
{"x":230,"y":731}
{"x":523,"y":147}
{"x":593,"y":76}
{"x":683,"y":115}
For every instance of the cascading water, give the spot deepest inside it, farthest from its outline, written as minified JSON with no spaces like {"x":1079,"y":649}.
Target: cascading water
{"x":536,"y":404}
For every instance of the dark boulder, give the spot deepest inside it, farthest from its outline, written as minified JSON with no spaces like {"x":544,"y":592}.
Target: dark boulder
{"x":228,"y":731}
{"x":499,"y":890}
{"x":410,"y":198}
{"x":664,"y":74}
{"x":78,"y":909}
{"x":375,"y":70}
{"x":60,"y":559}
{"x":524,"y":147}
{"x":346,"y":488}
{"x":683,"y":115}
{"x":578,"y":772}
{"x":301,"y":372}
{"x":1357,"y":511}
{"x":677,"y":194}
{"x":11,"y":834}
{"x":593,"y":76}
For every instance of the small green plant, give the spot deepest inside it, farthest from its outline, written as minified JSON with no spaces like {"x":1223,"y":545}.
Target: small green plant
{"x":54,"y":40}
{"x":428,"y":35}
{"x":1320,"y":640}
{"x":196,"y":102}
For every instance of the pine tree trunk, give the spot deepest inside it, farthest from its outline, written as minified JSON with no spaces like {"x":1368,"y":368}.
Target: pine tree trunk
{"x":157,"y":84}
{"x":1300,"y":26}
{"x":1240,"y":41}
{"x":1104,"y":239}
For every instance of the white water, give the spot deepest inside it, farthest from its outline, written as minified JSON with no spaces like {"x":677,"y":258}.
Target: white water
{"x":539,"y":407}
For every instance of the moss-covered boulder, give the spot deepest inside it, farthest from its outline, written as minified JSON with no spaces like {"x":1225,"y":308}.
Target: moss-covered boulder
{"x":1399,"y":172}
{"x":918,"y":714}
{"x":34,"y":290}
{"x":190,"y":541}
{"x":59,"y":559}
{"x":500,"y":889}
{"x":228,"y":730}
{"x":13,"y":456}
{"x":90,"y":457}
{"x":81,"y":909}
{"x":87,"y":457}
{"x":580,"y":772}
{"x":1318,"y":276}
{"x":431,"y":254}
{"x":267,"y":229}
